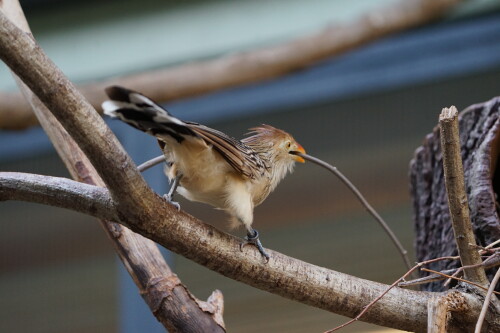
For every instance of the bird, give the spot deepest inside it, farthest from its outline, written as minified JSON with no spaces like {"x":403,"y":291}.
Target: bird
{"x":208,"y":166}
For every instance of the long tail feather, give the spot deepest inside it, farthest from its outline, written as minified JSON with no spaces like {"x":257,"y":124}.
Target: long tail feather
{"x":142,"y":113}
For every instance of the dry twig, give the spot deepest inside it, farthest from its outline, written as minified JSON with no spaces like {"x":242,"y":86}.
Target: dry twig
{"x":402,"y":278}
{"x":456,"y":278}
{"x":486,"y":304}
{"x":490,"y":262}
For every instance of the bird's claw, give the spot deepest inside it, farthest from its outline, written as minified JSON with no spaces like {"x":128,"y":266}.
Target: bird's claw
{"x":255,"y":241}
{"x":170,"y":201}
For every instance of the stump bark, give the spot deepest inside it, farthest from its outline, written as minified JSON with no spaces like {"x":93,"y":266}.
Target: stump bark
{"x":480,"y":145}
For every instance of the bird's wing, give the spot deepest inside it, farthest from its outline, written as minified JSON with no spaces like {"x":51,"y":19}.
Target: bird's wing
{"x":144,"y":114}
{"x":240,"y":156}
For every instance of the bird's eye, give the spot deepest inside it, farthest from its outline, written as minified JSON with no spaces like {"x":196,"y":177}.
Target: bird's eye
{"x":288,"y":144}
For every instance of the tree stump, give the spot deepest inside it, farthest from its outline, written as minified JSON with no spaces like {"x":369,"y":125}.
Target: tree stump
{"x":480,"y":146}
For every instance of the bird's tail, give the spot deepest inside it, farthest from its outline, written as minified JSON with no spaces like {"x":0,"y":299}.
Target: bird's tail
{"x":142,"y":113}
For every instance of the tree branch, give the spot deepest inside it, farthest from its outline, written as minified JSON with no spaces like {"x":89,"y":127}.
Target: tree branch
{"x":53,"y":191}
{"x":59,"y":192}
{"x":457,"y":198}
{"x":263,"y":64}
{"x":171,"y":303}
{"x":285,"y":276}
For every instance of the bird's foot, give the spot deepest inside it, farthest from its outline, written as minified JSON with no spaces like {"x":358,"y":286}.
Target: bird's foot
{"x":170,"y":200}
{"x":255,"y":241}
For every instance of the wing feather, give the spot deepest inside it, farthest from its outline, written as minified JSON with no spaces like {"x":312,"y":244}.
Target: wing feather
{"x":240,"y":156}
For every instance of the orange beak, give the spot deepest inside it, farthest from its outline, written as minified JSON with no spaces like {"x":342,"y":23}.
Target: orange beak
{"x":299,"y":159}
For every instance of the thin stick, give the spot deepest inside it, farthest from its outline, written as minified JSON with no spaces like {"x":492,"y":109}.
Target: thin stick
{"x":493,"y":244}
{"x":367,"y":307}
{"x":365,"y":203}
{"x":151,"y":163}
{"x":457,"y":197}
{"x":486,"y":304}
{"x":456,"y":278}
{"x":491,"y":261}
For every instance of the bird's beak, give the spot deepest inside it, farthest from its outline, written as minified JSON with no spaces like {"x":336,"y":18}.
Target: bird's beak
{"x":297,"y":158}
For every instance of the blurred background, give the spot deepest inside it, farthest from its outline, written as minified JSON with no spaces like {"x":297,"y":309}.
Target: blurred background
{"x":365,"y":111}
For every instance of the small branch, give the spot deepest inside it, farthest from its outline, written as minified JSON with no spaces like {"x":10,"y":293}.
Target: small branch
{"x":456,"y":278}
{"x":364,"y":202}
{"x":189,"y":80}
{"x":486,"y":304}
{"x":457,"y":198}
{"x":58,"y":192}
{"x":378,"y":298}
{"x":151,"y":163}
{"x":492,"y":261}
{"x":402,"y":278}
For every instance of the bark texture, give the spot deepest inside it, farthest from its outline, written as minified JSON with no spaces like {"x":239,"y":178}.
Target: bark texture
{"x":479,"y":125}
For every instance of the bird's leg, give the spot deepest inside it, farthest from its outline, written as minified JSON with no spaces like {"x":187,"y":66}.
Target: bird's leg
{"x":252,"y":237}
{"x":170,"y":195}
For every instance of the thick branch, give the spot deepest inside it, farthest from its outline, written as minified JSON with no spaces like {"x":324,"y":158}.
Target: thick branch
{"x":282,"y":275}
{"x":203,"y":243}
{"x":262,"y":64}
{"x":457,"y":198}
{"x":171,"y":302}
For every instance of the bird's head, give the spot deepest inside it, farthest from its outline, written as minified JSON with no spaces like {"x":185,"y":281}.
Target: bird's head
{"x":276,"y":142}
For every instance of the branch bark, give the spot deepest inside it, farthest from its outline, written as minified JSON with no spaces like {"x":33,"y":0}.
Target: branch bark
{"x":171,"y":302}
{"x":263,"y":64}
{"x":457,"y":198}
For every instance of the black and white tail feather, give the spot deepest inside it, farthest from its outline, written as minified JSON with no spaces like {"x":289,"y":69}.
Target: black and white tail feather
{"x":142,"y":113}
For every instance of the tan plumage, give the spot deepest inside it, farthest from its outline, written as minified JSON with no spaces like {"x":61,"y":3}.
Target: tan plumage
{"x":210,"y":166}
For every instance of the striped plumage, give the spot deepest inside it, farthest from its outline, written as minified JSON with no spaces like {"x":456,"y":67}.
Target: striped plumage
{"x":212,"y":167}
